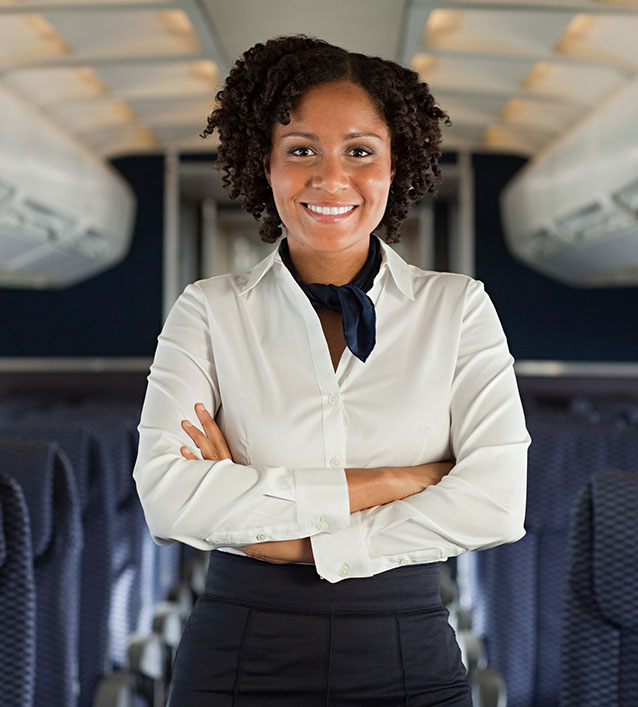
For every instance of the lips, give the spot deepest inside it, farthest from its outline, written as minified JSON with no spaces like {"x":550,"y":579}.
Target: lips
{"x":326,"y":212}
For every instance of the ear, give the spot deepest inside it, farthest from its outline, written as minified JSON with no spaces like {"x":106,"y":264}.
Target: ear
{"x":392,"y":173}
{"x":266,"y":163}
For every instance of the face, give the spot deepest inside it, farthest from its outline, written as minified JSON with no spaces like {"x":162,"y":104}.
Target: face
{"x":333,"y":155}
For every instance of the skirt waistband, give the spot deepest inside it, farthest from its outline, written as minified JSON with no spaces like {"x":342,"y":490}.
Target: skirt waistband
{"x":248,"y":581}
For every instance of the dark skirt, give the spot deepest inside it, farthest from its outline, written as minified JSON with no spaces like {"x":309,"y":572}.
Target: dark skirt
{"x":268,"y":635}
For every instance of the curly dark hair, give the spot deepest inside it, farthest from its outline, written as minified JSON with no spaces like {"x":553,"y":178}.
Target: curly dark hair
{"x":267,"y":82}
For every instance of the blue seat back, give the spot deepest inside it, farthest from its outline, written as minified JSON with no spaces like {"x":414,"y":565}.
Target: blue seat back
{"x":17,"y":596}
{"x":44,"y":473}
{"x":516,"y":591}
{"x":599,"y":648}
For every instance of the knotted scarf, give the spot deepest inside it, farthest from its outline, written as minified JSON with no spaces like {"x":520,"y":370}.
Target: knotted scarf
{"x":357,"y":309}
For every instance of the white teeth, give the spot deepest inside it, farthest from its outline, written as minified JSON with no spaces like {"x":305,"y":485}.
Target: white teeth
{"x":330,"y":210}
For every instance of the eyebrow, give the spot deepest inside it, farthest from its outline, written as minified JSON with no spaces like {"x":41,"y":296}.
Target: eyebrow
{"x":349,"y":136}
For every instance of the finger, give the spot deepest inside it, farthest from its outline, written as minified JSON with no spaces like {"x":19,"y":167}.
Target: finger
{"x":187,"y":453}
{"x":212,"y":430}
{"x":193,"y":432}
{"x":208,"y":421}
{"x":203,"y":443}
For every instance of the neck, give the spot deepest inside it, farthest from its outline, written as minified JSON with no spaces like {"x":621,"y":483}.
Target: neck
{"x":328,"y":267}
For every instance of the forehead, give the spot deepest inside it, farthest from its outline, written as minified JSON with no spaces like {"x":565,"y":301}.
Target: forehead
{"x":339,"y":105}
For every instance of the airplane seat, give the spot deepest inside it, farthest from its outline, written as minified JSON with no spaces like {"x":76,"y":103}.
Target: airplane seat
{"x":112,"y":424}
{"x":599,"y":654}
{"x":87,"y":450}
{"x":515,"y":590}
{"x":149,"y":570}
{"x":14,"y":408}
{"x":17,"y":596}
{"x":44,"y":473}
{"x":621,"y":412}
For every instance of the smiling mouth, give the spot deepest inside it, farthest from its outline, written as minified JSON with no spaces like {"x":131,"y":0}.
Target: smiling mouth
{"x":331,"y":210}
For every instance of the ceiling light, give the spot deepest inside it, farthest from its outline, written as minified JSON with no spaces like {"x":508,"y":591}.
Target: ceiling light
{"x":440,"y":24}
{"x":424,"y":64}
{"x":176,"y":22}
{"x":575,"y":33}
{"x":537,"y":75}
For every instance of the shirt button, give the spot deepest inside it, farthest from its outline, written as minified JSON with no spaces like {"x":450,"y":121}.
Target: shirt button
{"x":323,"y":525}
{"x":344,"y":570}
{"x":332,"y":399}
{"x":404,"y":562}
{"x":261,"y":536}
{"x":335,"y":461}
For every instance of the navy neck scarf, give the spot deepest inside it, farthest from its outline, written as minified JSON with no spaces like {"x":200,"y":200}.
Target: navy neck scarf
{"x":357,"y":309}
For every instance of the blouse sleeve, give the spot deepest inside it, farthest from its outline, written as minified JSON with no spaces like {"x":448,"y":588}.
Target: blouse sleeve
{"x":481,"y":502}
{"x":210,"y":504}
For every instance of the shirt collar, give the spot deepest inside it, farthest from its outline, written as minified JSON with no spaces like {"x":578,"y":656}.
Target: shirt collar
{"x":399,"y":269}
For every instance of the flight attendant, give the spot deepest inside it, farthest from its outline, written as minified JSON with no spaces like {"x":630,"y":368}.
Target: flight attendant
{"x":335,"y":422}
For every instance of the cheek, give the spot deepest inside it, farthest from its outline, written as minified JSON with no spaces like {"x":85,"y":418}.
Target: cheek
{"x":377,"y":186}
{"x":285,"y":183}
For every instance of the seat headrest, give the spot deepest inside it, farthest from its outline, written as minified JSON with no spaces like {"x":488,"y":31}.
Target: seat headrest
{"x":615,"y":553}
{"x":73,"y":437}
{"x":3,"y":543}
{"x":44,"y":473}
{"x":15,"y":526}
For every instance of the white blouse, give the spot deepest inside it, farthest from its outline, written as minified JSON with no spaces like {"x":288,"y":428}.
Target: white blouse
{"x":439,"y":385}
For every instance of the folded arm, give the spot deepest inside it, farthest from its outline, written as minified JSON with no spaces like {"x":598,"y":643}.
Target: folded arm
{"x":481,"y":502}
{"x":210,"y":504}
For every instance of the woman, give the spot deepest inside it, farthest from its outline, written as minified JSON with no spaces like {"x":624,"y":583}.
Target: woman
{"x":360,"y":420}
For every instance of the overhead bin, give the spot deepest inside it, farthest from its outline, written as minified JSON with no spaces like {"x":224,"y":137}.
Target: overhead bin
{"x":65,"y":214}
{"x":572,"y":211}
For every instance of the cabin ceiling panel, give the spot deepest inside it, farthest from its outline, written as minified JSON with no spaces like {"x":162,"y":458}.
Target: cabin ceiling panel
{"x":472,"y":74}
{"x":540,"y":115}
{"x":473,"y":110}
{"x":158,"y":111}
{"x":132,"y":33}
{"x":121,"y":140}
{"x":495,"y":31}
{"x":161,"y":79}
{"x":141,"y":75}
{"x":368,"y":26}
{"x":50,"y":85}
{"x":584,"y":84}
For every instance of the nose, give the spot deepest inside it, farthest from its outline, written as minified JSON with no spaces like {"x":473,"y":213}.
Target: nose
{"x":329,"y":174}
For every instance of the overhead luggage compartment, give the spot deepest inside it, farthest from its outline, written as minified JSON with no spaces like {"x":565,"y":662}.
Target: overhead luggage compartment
{"x":65,"y":214}
{"x":572,"y":211}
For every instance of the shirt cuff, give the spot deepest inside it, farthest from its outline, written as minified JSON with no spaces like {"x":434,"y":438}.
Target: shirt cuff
{"x":344,"y":554}
{"x":323,"y":501}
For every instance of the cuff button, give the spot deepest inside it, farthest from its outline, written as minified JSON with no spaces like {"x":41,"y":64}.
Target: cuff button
{"x":344,"y":570}
{"x":261,"y":536}
{"x":322,"y":525}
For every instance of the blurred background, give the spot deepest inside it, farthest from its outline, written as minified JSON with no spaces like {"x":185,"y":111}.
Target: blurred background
{"x":110,"y":204}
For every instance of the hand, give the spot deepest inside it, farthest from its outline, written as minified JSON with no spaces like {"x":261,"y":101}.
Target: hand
{"x":281,"y":552}
{"x":213,"y":446}
{"x":211,"y":442}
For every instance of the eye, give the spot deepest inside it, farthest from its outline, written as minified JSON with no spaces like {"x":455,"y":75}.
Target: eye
{"x":360,"y":150}
{"x":296,"y":150}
